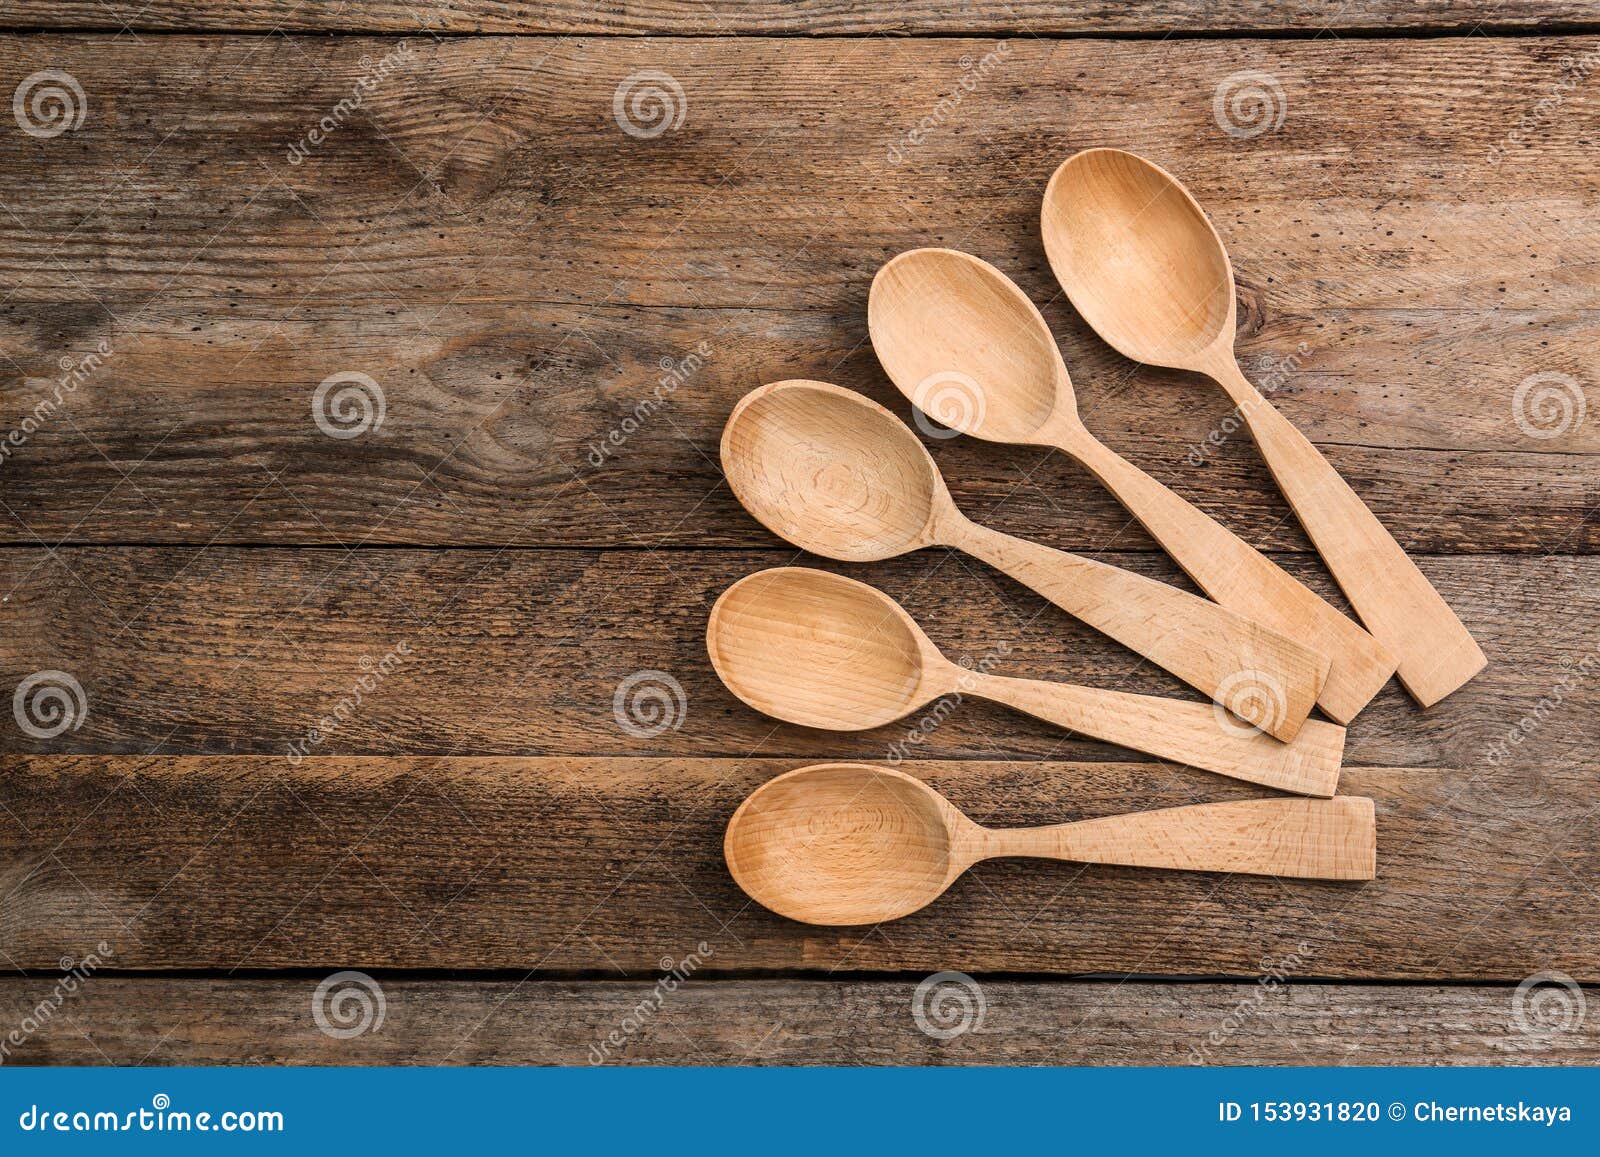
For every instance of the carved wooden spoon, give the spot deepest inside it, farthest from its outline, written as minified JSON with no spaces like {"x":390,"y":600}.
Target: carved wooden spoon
{"x":826,"y":651}
{"x":845,"y":843}
{"x":969,"y":349}
{"x":836,"y":473}
{"x":1145,"y":268}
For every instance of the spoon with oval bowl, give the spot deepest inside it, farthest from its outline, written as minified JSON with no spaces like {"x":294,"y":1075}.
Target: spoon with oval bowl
{"x":968,"y":348}
{"x":845,"y":843}
{"x":1143,"y":265}
{"x":837,"y":474}
{"x":825,"y":651}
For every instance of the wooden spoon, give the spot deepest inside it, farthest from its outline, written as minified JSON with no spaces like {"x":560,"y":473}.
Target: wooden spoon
{"x":836,"y":473}
{"x":969,"y":349}
{"x":845,"y":843}
{"x":1145,"y":268}
{"x":826,"y":651}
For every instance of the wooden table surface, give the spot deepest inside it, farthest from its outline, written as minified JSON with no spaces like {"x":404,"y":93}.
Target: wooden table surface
{"x":549,"y":296}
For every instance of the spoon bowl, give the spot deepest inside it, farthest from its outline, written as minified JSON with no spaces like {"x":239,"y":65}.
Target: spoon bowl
{"x":843,"y":843}
{"x":1139,"y":259}
{"x":966,"y":346}
{"x":831,"y":471}
{"x":818,"y":649}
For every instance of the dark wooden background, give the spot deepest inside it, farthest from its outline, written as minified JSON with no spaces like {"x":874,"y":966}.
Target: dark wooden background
{"x":484,"y":241}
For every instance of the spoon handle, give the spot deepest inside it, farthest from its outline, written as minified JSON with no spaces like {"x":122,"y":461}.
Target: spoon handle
{"x":1313,"y":839}
{"x":1394,"y":599}
{"x":1266,"y":678}
{"x":1191,"y":733}
{"x":1243,"y":579}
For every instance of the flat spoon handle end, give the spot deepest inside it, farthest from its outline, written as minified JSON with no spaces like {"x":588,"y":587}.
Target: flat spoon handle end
{"x":1393,"y":597}
{"x":1313,"y":839}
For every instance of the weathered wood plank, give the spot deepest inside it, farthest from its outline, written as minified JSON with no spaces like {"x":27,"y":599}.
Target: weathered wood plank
{"x":519,"y":425}
{"x":593,"y":864}
{"x":521,"y":652}
{"x":494,"y":170}
{"x":791,"y":17}
{"x":483,"y":239}
{"x":163,"y":1021}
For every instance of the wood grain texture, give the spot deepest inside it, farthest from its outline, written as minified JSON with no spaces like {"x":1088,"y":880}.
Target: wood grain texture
{"x":221,"y":1021}
{"x":483,"y":240}
{"x":792,"y":17}
{"x":778,"y":190}
{"x":522,"y":652}
{"x":495,"y":438}
{"x":582,"y":863}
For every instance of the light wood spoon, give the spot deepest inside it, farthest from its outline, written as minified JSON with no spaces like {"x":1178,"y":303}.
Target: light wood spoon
{"x":826,"y":651}
{"x":969,"y":349}
{"x":836,"y":473}
{"x":845,"y":843}
{"x":1143,"y":265}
